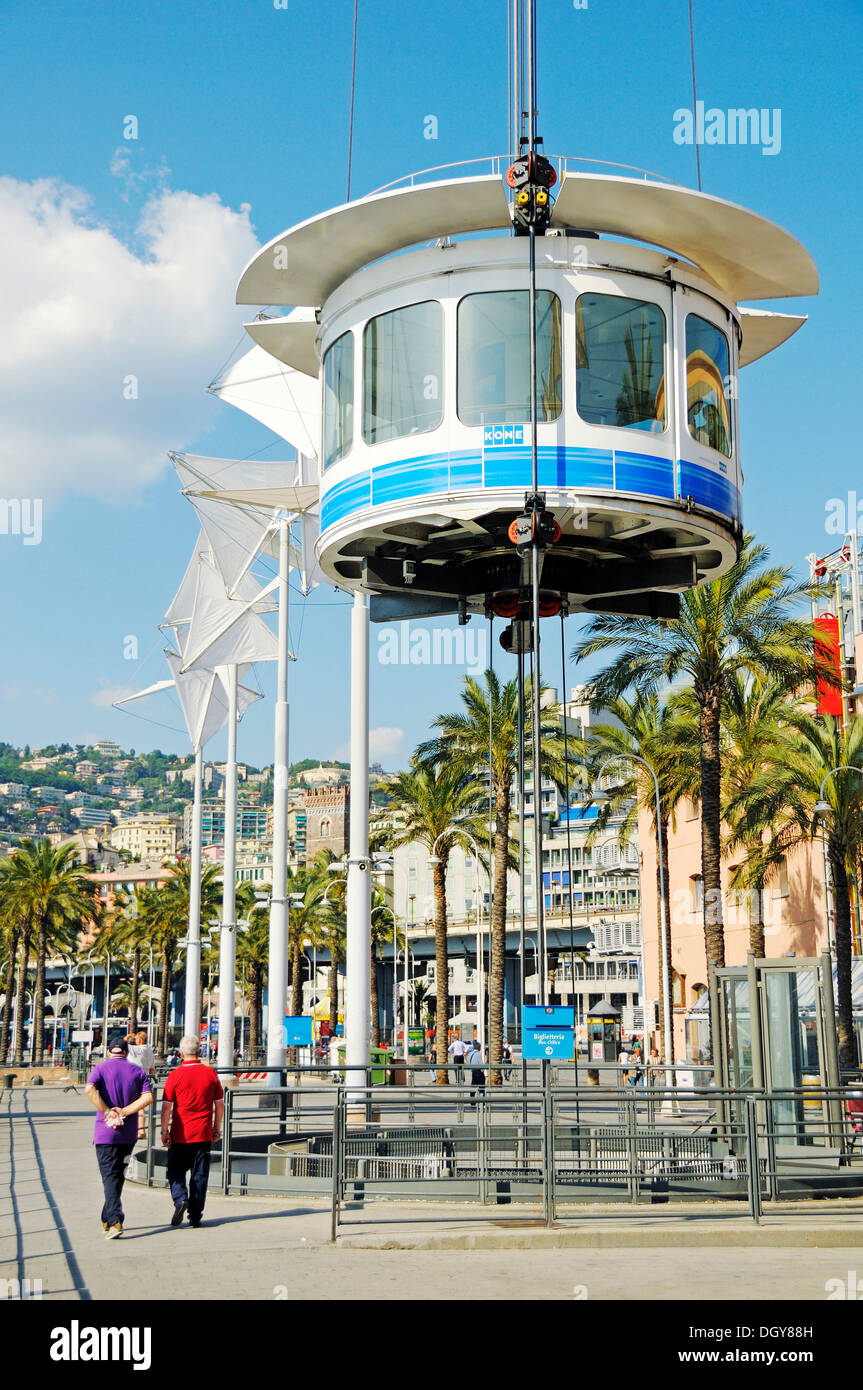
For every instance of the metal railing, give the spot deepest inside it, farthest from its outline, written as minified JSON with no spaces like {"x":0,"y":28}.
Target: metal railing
{"x":497,"y":164}
{"x":344,"y":1139}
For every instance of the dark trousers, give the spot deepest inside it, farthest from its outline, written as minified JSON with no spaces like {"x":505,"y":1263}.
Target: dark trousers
{"x":113,"y":1161}
{"x":193,"y":1159}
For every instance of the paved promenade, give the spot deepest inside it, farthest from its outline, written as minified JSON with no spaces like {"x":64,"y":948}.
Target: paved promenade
{"x":265,"y":1248}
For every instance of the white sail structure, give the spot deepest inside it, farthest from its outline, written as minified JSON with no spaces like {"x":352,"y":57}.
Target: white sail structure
{"x":206,"y":699}
{"x":236,"y":532}
{"x":285,"y":400}
{"x":179,"y":611}
{"x":224,"y":631}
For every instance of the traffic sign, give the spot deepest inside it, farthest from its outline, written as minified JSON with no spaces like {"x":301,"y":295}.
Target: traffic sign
{"x":298,"y":1030}
{"x":547,"y":1016}
{"x":547,"y":1033}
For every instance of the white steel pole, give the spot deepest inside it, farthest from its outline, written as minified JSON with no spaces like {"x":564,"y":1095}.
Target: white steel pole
{"x":191,"y":1017}
{"x":358,"y":945}
{"x":150,"y":1002}
{"x":278,"y":950}
{"x":855,"y":589}
{"x":228,"y":933}
{"x":107,"y":1002}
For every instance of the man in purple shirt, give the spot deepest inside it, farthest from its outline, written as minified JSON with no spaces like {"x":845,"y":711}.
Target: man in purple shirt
{"x":118,"y":1089}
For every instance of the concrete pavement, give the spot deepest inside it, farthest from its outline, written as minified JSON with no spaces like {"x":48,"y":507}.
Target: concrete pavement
{"x":266,"y":1248}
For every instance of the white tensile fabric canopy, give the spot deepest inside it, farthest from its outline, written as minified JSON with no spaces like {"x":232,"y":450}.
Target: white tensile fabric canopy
{"x":223,"y":630}
{"x":287,"y":401}
{"x":235,"y":532}
{"x":238,"y":528}
{"x":203,"y":697}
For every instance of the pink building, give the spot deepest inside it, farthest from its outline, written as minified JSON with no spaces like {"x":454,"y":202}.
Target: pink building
{"x":794,"y":913}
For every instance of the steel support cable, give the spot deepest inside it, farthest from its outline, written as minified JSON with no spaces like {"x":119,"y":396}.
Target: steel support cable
{"x":694,"y":96}
{"x":485,"y":994}
{"x":568,"y":841}
{"x":353,"y":88}
{"x":534,"y":424}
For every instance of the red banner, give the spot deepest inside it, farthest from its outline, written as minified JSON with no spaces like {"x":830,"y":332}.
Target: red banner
{"x":827,"y":654}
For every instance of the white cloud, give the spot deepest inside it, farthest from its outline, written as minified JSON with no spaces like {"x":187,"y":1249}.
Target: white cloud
{"x":123,"y":167}
{"x":36,"y":694}
{"x":385,"y":742}
{"x":84,"y":314}
{"x":104,"y":698}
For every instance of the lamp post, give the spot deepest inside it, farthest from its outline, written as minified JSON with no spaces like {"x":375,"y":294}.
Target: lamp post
{"x":598,"y":795}
{"x":357,"y":870}
{"x":529,"y":941}
{"x":150,"y":987}
{"x":88,"y":960}
{"x":480,"y":942}
{"x":382,"y":907}
{"x":30,"y":1040}
{"x":107,"y":1000}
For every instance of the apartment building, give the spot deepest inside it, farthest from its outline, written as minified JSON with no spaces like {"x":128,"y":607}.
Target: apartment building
{"x":149,"y":835}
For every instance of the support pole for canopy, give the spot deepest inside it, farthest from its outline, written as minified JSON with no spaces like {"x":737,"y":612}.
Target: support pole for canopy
{"x":228,"y":933}
{"x":278,"y":952}
{"x":192,"y":1015}
{"x":357,"y":1007}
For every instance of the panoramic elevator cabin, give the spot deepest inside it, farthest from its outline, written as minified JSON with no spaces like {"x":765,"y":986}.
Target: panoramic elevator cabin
{"x":417,"y":328}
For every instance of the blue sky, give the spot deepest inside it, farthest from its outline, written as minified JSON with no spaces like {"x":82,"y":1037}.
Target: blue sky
{"x":125,"y":263}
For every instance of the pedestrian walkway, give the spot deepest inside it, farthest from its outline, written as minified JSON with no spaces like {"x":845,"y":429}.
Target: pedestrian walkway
{"x":266,"y":1248}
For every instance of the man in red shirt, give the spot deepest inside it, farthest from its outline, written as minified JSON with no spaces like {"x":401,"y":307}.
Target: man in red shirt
{"x":191,"y":1119}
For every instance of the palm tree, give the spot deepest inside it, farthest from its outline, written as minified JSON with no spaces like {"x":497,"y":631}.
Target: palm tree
{"x":490,"y":717}
{"x":785,"y":794}
{"x":49,"y":888}
{"x":10,"y":931}
{"x":306,"y":923}
{"x":754,"y":717}
{"x":253,"y":955}
{"x":129,"y":933}
{"x":382,"y":930}
{"x":420,"y":991}
{"x":169,"y":922}
{"x":430,"y":799}
{"x":745,"y":619}
{"x":662,"y":734}
{"x":335,"y":939}
{"x":25,"y":937}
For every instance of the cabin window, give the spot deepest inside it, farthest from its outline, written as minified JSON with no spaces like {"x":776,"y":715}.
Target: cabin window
{"x":620,"y":362}
{"x":403,"y":373}
{"x":708,"y":402}
{"x":339,"y":399}
{"x":494,"y":357}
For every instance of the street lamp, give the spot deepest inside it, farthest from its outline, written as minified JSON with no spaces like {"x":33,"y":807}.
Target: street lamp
{"x":382,"y":907}
{"x":480,"y":943}
{"x":600,"y":795}
{"x":88,"y":960}
{"x":529,"y":941}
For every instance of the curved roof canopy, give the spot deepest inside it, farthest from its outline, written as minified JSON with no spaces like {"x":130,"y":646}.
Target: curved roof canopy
{"x":306,"y":263}
{"x":288,"y":341}
{"x":763,"y":331}
{"x":746,"y":256}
